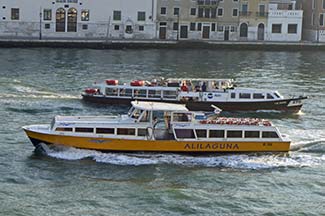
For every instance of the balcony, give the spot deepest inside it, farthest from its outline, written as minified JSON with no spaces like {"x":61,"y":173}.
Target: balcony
{"x":286,"y":13}
{"x":208,"y":3}
{"x":262,"y":14}
{"x":245,"y":13}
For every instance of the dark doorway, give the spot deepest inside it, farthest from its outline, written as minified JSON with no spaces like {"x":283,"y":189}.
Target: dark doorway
{"x":243,"y":30}
{"x":162,"y":32}
{"x":260,"y":32}
{"x":184,"y":31}
{"x":206,"y":32}
{"x":226,"y":34}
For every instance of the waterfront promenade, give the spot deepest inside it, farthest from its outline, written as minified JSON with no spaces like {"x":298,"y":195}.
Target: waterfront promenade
{"x":157,"y":44}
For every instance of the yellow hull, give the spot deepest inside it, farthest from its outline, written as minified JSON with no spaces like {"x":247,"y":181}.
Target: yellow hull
{"x":108,"y":144}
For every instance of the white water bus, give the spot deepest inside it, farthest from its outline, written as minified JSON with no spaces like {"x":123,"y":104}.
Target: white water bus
{"x":197,"y":94}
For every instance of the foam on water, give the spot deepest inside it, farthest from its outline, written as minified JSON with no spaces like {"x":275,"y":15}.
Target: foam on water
{"x":30,"y":92}
{"x":235,"y":161}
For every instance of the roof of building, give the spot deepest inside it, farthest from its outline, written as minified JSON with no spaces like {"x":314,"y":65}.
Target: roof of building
{"x":157,"y":106}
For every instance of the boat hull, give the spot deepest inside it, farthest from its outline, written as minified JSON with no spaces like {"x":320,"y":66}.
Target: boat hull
{"x":108,"y":144}
{"x":286,"y":105}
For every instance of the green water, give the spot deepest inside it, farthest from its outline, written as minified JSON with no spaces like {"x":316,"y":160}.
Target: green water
{"x":37,"y":84}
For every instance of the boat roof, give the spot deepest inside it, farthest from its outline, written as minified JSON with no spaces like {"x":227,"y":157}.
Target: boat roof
{"x":201,"y":79}
{"x":157,"y":106}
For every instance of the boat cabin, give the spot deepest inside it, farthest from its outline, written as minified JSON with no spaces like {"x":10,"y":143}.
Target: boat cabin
{"x":163,"y":121}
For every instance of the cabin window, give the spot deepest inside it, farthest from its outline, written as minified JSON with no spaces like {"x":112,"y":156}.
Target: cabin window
{"x":217,"y":134}
{"x":85,"y":130}
{"x":111,"y":91}
{"x":169,"y":94}
{"x":126,"y":131}
{"x":234,"y":134}
{"x":244,"y":95}
{"x":233,"y":95}
{"x":269,"y":96}
{"x":182,"y":117}
{"x":142,"y":132}
{"x":252,"y":134}
{"x":63,"y":129}
{"x":258,"y":96}
{"x":201,"y":133}
{"x":269,"y":134}
{"x":145,"y":116}
{"x":154,"y":94}
{"x":276,"y":94}
{"x":140,"y":93}
{"x":105,"y":130}
{"x":184,"y":133}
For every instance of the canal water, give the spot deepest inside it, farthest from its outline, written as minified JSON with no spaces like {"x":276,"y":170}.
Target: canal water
{"x":37,"y":84}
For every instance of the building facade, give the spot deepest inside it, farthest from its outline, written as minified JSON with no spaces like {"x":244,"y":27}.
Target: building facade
{"x":219,"y":20}
{"x":253,"y":20}
{"x":314,"y":20}
{"x":81,"y":19}
{"x":284,"y":21}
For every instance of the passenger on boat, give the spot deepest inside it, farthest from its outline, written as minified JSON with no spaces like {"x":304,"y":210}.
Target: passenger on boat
{"x":204,"y":87}
{"x":184,"y":87}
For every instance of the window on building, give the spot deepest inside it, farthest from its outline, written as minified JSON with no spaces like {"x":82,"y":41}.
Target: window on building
{"x":84,"y":27}
{"x":141,"y":28}
{"x":163,"y":11}
{"x":47,"y":26}
{"x":213,"y":12}
{"x":199,"y":26}
{"x":244,"y":9}
{"x":200,"y":14}
{"x":233,"y":95}
{"x":220,"y":11}
{"x":72,"y":20}
{"x":321,"y":19}
{"x":192,"y":27}
{"x":176,"y":11}
{"x":117,"y":15}
{"x":233,"y":29}
{"x":213,"y":27}
{"x":85,"y":15}
{"x":207,"y":13}
{"x":276,"y":28}
{"x":60,"y":20}
{"x":141,"y":16}
{"x":220,"y":29}
{"x":14,"y":13}
{"x":128,"y":30}
{"x":116,"y":27}
{"x":292,"y":28}
{"x":235,"y":12}
{"x":175,"y":26}
{"x":323,"y":5}
{"x":47,"y":14}
{"x":193,"y":11}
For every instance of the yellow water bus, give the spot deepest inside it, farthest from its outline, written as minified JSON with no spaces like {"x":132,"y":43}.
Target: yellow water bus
{"x":160,"y":127}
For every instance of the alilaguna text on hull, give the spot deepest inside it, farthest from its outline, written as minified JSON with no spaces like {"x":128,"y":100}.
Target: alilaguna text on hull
{"x":196,"y":94}
{"x":160,"y":127}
